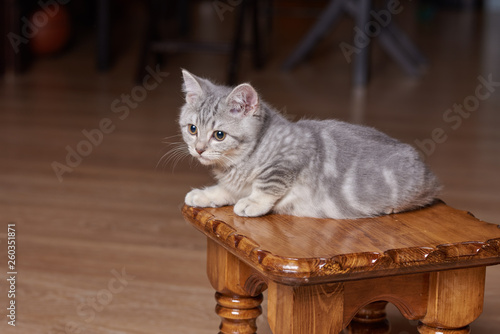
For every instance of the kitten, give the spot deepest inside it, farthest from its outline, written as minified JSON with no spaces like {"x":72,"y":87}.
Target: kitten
{"x":264,"y":163}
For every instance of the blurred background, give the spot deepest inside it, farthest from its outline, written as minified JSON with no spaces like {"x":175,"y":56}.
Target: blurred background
{"x":89,"y":97}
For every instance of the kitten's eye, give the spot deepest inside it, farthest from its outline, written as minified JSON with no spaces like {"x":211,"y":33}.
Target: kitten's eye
{"x":192,"y":129}
{"x":219,"y":135}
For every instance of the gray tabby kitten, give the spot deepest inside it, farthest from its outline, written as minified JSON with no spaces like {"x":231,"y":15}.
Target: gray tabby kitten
{"x":264,"y":163}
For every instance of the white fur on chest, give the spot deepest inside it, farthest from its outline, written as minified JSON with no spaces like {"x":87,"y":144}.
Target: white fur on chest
{"x":238,"y":182}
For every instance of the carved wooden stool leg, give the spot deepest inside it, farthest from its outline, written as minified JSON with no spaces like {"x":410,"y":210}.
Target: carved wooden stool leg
{"x":423,"y":329}
{"x":238,"y":313}
{"x":238,"y":297}
{"x":370,"y":319}
{"x":455,"y":300}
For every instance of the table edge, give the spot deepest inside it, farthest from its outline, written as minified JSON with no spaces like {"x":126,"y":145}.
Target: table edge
{"x":345,"y":266}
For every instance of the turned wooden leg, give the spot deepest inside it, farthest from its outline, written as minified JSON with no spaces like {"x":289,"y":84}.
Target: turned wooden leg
{"x":370,"y":319}
{"x":238,"y":301}
{"x":423,"y":329}
{"x":239,"y":314}
{"x":455,"y":300}
{"x":309,"y":309}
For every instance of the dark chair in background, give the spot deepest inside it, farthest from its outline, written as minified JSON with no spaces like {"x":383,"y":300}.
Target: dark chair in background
{"x":103,"y":58}
{"x":394,"y":42}
{"x":256,"y":12}
{"x":14,"y":54}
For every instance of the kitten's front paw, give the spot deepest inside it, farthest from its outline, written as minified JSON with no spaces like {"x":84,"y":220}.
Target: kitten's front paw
{"x":247,"y":207}
{"x":199,"y":198}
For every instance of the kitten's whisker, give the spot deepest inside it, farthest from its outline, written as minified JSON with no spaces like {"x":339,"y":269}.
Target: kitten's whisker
{"x":175,"y":154}
{"x":166,"y":139}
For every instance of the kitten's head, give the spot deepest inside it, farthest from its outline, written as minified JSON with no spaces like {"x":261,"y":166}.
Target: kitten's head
{"x":219,"y":124}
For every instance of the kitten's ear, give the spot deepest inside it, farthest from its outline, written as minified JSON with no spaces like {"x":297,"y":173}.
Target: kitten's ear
{"x":191,"y":87}
{"x":243,"y":100}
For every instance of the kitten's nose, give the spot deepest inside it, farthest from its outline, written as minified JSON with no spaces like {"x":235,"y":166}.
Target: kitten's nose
{"x":200,"y":147}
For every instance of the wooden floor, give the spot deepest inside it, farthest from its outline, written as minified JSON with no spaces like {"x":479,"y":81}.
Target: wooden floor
{"x":103,"y":249}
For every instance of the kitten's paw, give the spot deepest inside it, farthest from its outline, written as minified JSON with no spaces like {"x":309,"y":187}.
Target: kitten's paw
{"x":199,"y":198}
{"x":247,"y":207}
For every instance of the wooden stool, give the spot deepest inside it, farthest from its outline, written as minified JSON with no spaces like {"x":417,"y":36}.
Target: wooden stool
{"x":323,"y":273}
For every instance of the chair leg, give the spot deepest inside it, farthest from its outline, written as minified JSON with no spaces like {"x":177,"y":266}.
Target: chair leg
{"x":261,"y":11}
{"x":406,"y":44}
{"x":327,"y":19}
{"x":258,"y":58}
{"x":3,"y":32}
{"x":361,"y":60}
{"x":147,"y":39}
{"x":103,"y":36}
{"x":15,"y":55}
{"x":394,"y":42}
{"x":455,"y":300}
{"x":237,"y":44}
{"x":398,"y":53}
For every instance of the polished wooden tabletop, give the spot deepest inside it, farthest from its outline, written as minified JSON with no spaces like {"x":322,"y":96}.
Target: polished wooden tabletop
{"x":302,"y":249}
